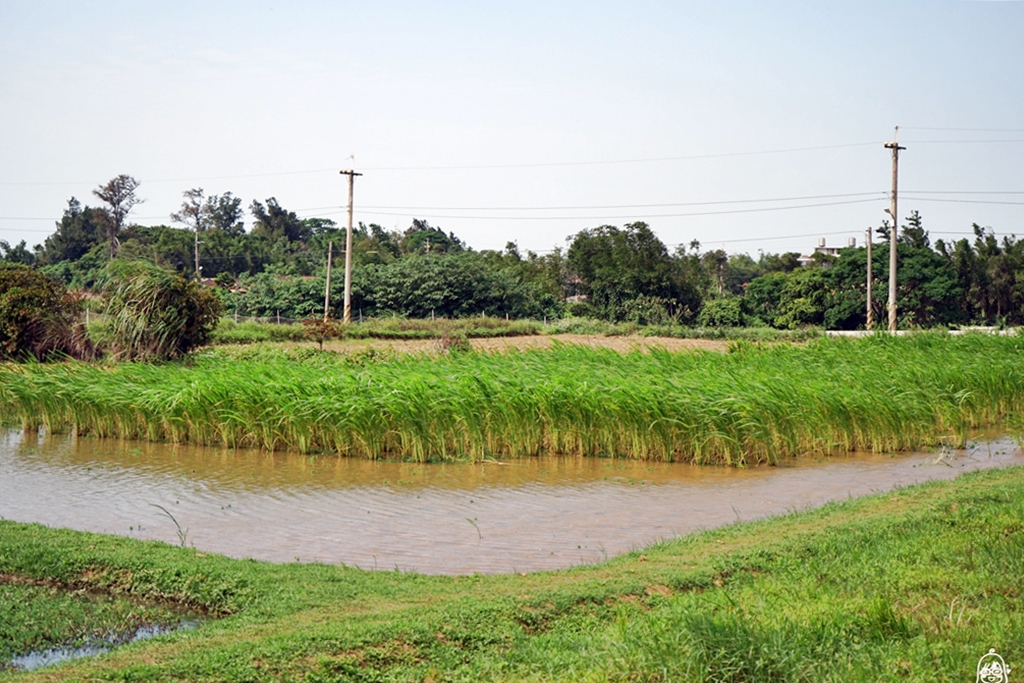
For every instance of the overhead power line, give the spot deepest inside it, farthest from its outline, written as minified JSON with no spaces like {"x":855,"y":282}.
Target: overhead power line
{"x":779,"y":237}
{"x":179,"y":180}
{"x":963,"y":201}
{"x":620,"y":206}
{"x":619,"y":161}
{"x":468,"y":167}
{"x":869,"y":196}
{"x":398,"y":210}
{"x":639,"y":215}
{"x":969,"y":130}
{"x":960,"y":142}
{"x":964,"y":192}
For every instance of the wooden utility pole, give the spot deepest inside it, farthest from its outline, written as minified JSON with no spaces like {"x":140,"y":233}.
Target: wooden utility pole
{"x":327,"y":289}
{"x":871,"y":321}
{"x":348,"y":244}
{"x":895,"y":147}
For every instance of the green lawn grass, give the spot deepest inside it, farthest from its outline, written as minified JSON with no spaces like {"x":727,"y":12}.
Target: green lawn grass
{"x":911,"y":585}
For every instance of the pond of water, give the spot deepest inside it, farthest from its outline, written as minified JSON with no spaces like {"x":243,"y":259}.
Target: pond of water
{"x":517,"y":516}
{"x":41,"y":658}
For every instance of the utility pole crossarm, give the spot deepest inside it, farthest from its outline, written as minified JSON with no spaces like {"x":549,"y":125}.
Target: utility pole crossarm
{"x":348,"y":245}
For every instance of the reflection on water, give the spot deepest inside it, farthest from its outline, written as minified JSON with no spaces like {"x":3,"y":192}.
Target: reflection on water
{"x":521,"y":515}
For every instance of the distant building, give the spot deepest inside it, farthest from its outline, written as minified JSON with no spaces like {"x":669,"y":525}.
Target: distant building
{"x":822,"y":249}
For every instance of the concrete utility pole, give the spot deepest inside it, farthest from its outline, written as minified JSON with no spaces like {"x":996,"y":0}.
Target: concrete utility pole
{"x":895,"y":147}
{"x":348,"y":244}
{"x":871,"y":321}
{"x":199,"y":275}
{"x":327,"y":289}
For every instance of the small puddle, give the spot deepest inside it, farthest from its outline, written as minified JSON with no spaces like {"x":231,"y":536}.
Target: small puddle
{"x":41,"y":658}
{"x":522,"y":515}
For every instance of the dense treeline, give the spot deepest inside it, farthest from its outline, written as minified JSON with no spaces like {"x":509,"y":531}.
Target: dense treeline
{"x":278,"y":267}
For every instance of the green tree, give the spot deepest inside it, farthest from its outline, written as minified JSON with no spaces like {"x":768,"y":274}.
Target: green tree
{"x":193,"y":215}
{"x":422,"y":238}
{"x":274,"y":222}
{"x":780,"y":263}
{"x":78,"y":231}
{"x":615,"y":266}
{"x":913,"y":234}
{"x":803,"y":299}
{"x":714,"y":263}
{"x":387,"y":245}
{"x":19,"y":253}
{"x":224,"y":212}
{"x":997,"y":289}
{"x":928,"y":288}
{"x":448,"y":285}
{"x":119,"y":195}
{"x":762,"y":297}
{"x":740,"y":269}
{"x":965,"y":265}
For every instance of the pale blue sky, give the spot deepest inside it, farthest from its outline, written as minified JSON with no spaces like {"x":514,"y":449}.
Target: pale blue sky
{"x":269,"y":99}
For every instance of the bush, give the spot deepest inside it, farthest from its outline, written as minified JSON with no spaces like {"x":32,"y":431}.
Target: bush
{"x":725,"y":312}
{"x":649,"y":310}
{"x":156,"y":314}
{"x":39,"y":317}
{"x":320,"y":330}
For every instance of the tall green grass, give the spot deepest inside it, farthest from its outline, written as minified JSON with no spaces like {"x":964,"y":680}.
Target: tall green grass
{"x":754,"y":405}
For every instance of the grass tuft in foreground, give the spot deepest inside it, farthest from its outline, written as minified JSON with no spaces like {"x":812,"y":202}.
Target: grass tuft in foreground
{"x":911,"y":585}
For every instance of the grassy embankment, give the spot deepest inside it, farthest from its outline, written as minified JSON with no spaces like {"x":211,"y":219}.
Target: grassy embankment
{"x":913,"y":585}
{"x":756,"y":404}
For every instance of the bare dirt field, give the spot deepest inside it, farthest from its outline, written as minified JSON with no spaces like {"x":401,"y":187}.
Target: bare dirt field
{"x":498,"y":344}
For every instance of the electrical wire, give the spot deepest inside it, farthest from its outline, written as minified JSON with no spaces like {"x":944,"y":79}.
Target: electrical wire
{"x":617,"y":206}
{"x":954,"y":142}
{"x":961,"y":201}
{"x":476,"y":166}
{"x":779,"y":237}
{"x":185,"y":180}
{"x":962,"y":192}
{"x":619,"y":161}
{"x":968,"y":130}
{"x":634,"y":216}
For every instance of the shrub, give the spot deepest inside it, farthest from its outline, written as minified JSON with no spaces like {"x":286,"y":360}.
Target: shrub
{"x":156,"y":314}
{"x":723,"y":312}
{"x":320,"y":330}
{"x":39,"y":317}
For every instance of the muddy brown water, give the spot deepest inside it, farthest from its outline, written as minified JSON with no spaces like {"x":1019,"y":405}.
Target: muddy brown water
{"x":522,"y":515}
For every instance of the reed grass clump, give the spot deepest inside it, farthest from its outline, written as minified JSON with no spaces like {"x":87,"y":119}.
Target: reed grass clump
{"x":755,"y":405}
